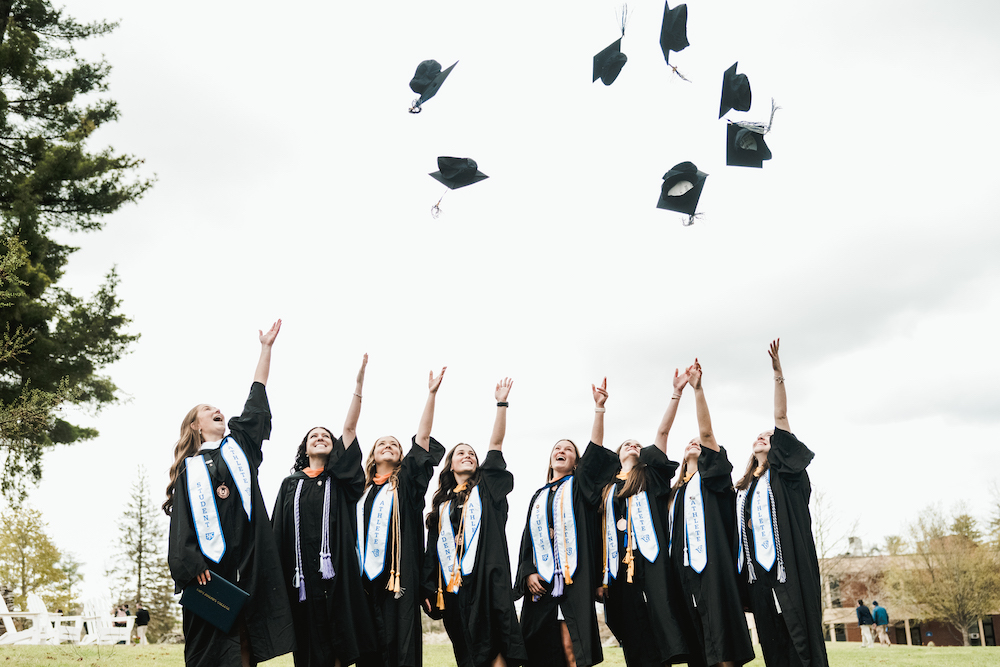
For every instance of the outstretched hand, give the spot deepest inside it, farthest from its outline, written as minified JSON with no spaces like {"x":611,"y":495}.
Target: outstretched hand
{"x":361,"y":373}
{"x":434,"y":383}
{"x":272,"y":333}
{"x":694,"y":373}
{"x":681,"y":379}
{"x":773,"y":353}
{"x":600,"y":393}
{"x":503,"y":389}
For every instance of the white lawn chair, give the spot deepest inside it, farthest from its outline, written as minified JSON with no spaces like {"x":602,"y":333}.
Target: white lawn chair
{"x":46,"y":631}
{"x":101,"y":628}
{"x":14,"y":636}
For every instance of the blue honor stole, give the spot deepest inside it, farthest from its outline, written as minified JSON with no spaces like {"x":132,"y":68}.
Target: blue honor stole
{"x":447,"y":546}
{"x":564,"y":527}
{"x":695,"y":549}
{"x":372,"y":542}
{"x":201,"y":496}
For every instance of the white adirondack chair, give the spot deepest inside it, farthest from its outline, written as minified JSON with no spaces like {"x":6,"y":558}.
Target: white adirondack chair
{"x":12,"y":635}
{"x":101,"y":628}
{"x":46,"y":633}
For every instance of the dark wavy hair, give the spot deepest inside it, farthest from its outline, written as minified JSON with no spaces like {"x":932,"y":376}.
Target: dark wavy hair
{"x":446,"y":486}
{"x":301,"y":458}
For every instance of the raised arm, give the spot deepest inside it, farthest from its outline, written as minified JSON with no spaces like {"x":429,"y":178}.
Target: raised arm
{"x":353,"y":412}
{"x":427,"y":419}
{"x":680,"y":381}
{"x":500,"y":423}
{"x":264,"y":363}
{"x":701,"y":407}
{"x":780,"y":400}
{"x":600,"y":397}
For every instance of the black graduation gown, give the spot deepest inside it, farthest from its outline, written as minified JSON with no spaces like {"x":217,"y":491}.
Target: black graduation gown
{"x":333,"y":622}
{"x":795,"y":636}
{"x":397,"y":621}
{"x":642,"y":614}
{"x":712,"y":598}
{"x":480,"y":618}
{"x":539,"y":624}
{"x":251,"y":558}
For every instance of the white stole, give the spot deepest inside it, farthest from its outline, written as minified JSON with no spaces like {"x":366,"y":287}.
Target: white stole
{"x":204,"y":512}
{"x":374,"y":537}
{"x":695,"y":548}
{"x":610,"y":537}
{"x":239,"y":468}
{"x":643,"y":530}
{"x":447,"y":547}
{"x":564,"y":527}
{"x":761,"y":524}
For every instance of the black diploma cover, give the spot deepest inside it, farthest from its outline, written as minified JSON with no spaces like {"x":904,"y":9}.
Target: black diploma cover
{"x":218,"y":601}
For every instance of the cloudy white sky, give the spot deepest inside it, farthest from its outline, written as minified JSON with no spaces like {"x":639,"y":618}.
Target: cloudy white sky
{"x":292,"y":183}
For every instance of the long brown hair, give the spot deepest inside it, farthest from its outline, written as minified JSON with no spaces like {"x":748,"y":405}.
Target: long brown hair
{"x":635,"y":480}
{"x":744,"y":481}
{"x":446,"y":486}
{"x":370,"y":466}
{"x":188,"y":445}
{"x":551,"y":472}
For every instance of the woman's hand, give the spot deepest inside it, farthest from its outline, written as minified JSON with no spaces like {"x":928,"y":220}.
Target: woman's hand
{"x":535,"y":586}
{"x":361,"y":373}
{"x":773,"y":353}
{"x":681,"y":380}
{"x":503,"y":389}
{"x":694,"y":375}
{"x":204,"y":577}
{"x":427,"y":606}
{"x":267,"y":339}
{"x":434,"y":383}
{"x":600,"y":393}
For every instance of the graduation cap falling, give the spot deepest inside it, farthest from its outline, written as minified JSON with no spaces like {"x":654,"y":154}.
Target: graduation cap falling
{"x":745,"y":145}
{"x":673,"y":33}
{"x":682,"y":187}
{"x":609,"y":62}
{"x":455,"y":172}
{"x":735,"y":91}
{"x":426,"y":81}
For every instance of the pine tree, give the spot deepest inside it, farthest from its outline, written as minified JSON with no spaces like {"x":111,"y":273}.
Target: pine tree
{"x":141,"y":573}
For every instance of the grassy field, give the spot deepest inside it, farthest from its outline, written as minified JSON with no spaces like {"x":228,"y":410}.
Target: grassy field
{"x":439,"y":655}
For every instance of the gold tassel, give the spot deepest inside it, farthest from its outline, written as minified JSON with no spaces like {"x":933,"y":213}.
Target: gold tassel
{"x":440,"y":600}
{"x":629,"y":556}
{"x":455,"y":582}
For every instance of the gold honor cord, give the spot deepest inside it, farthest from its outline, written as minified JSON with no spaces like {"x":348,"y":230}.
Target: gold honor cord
{"x":455,"y":579}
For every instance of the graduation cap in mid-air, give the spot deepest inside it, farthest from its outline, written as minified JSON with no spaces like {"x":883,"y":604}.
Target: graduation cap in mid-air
{"x":427,"y":80}
{"x":673,"y":32}
{"x":745,"y":147}
{"x":682,"y":187}
{"x":455,"y":172}
{"x":735,"y":91}
{"x":609,"y":62}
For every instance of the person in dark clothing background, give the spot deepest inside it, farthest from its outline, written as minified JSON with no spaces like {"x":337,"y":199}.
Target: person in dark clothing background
{"x":141,"y":621}
{"x":865,"y":622}
{"x":881,"y":623}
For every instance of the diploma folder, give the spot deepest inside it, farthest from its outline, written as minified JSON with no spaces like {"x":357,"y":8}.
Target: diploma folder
{"x":219,"y":602}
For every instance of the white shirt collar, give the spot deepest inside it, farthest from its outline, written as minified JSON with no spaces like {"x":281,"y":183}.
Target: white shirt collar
{"x":211,"y":445}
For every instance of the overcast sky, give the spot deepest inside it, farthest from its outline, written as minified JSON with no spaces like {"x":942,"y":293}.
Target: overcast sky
{"x":293,"y":183}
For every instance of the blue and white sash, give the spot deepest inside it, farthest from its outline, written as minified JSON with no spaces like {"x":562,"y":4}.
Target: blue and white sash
{"x":239,"y":468}
{"x":204,"y":511}
{"x":372,"y":542}
{"x":695,"y":549}
{"x":564,"y":527}
{"x":446,"y":545}
{"x":610,"y":537}
{"x":766,"y":542}
{"x":643,"y":531}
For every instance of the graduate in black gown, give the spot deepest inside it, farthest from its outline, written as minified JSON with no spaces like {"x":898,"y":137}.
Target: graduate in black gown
{"x":466,"y":531}
{"x":391,"y":537}
{"x":559,"y":563}
{"x":703,"y":542}
{"x":640,"y":592}
{"x":314,"y":521}
{"x":777,"y":553}
{"x":232,"y":537}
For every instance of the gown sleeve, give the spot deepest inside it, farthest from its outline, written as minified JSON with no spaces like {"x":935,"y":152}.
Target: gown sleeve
{"x":346,"y":469}
{"x":596,"y":469}
{"x":660,"y":470}
{"x":280,"y":525}
{"x":497,"y":482}
{"x":526,"y":561}
{"x":788,"y":455}
{"x":253,"y":427}
{"x":183,"y":553}
{"x":716,"y":470}
{"x":417,"y":468}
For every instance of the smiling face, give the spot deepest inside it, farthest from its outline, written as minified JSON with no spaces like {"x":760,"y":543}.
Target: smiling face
{"x":762,"y":445}
{"x":319,"y":442}
{"x":693,"y":450}
{"x":464,"y":460}
{"x":629,"y":450}
{"x":387,"y":450}
{"x":209,"y":422}
{"x":562,"y":461}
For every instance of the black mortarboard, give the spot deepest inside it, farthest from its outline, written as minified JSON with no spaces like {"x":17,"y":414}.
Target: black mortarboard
{"x":735,"y":91}
{"x":609,"y":62}
{"x":428,"y":79}
{"x":673,"y":33}
{"x":682,"y":187}
{"x":745,"y":148}
{"x":457,"y":172}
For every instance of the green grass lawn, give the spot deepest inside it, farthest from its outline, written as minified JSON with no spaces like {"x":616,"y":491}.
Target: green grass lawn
{"x":439,"y":655}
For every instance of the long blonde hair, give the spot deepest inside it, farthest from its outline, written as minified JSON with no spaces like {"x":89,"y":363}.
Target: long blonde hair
{"x":188,"y":445}
{"x":370,"y":463}
{"x":744,"y":481}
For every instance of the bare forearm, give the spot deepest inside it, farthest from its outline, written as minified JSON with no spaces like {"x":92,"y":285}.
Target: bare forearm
{"x":499,"y":428}
{"x":666,"y":423}
{"x":780,"y":402}
{"x":426,"y":422}
{"x":597,"y":432}
{"x":263,"y":365}
{"x":704,"y":420}
{"x":353,"y":414}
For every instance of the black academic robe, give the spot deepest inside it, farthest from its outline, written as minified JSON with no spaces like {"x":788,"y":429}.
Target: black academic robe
{"x":643,"y":614}
{"x":794,"y":636}
{"x":251,"y":558}
{"x":333,"y":622}
{"x":539,"y":618}
{"x":480,"y":618}
{"x":397,"y":620}
{"x":711,"y":598}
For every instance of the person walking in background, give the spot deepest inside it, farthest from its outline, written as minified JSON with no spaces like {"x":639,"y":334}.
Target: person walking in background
{"x":141,"y":621}
{"x":882,"y":623}
{"x":865,"y":622}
